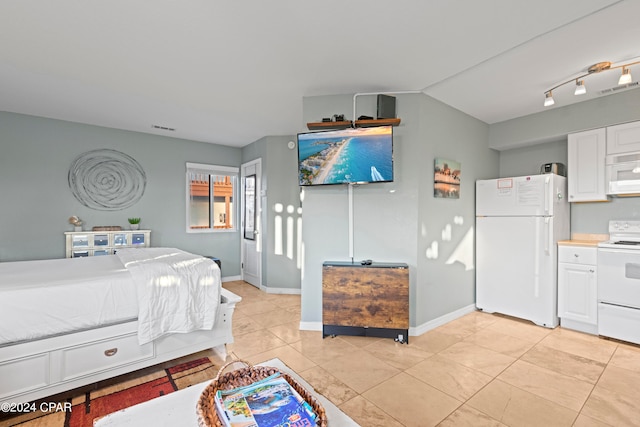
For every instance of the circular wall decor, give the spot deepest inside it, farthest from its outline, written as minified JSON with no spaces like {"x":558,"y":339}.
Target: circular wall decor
{"x":106,"y":180}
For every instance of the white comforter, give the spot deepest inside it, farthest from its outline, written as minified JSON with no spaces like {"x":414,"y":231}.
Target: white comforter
{"x":167,"y":289}
{"x":177,"y":291}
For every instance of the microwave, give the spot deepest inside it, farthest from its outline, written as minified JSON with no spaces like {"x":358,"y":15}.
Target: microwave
{"x":622,"y":173}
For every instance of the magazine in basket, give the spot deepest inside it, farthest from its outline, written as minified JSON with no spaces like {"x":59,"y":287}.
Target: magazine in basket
{"x":268,"y":402}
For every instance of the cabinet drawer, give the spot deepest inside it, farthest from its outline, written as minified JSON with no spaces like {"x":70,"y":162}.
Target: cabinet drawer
{"x":577,"y":255}
{"x":24,"y":374}
{"x":98,"y":356}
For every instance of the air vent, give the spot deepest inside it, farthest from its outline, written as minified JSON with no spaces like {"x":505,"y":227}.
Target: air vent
{"x":167,"y":128}
{"x":619,"y":88}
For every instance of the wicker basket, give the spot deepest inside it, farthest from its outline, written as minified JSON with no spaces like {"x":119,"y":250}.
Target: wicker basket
{"x":206,"y":407}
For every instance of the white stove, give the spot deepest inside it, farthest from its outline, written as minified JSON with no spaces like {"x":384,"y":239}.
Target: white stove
{"x":619,"y":282}
{"x":623,"y":235}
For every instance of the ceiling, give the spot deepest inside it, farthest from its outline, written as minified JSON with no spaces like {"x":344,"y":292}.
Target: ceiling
{"x":232,"y":72}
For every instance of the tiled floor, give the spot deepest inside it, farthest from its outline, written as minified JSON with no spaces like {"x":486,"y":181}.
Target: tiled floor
{"x":479,"y":370}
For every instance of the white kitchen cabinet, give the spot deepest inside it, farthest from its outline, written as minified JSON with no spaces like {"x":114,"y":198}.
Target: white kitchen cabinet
{"x":586,"y":166}
{"x":623,"y":138}
{"x":577,"y":288}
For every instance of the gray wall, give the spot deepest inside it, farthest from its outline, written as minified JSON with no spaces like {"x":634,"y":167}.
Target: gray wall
{"x":555,"y":123}
{"x":35,"y":155}
{"x":279,"y":185}
{"x":397,"y":222}
{"x":524,"y":147}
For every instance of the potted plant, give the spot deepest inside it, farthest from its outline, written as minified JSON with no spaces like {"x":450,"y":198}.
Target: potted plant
{"x":134,"y":223}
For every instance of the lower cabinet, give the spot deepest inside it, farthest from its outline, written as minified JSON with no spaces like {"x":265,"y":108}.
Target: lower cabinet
{"x":365,"y":300}
{"x":577,"y":288}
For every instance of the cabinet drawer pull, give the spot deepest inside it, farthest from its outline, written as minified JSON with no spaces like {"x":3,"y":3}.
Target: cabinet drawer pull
{"x":111,"y":352}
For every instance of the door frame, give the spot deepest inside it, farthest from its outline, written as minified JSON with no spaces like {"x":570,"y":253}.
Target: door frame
{"x":253,"y":167}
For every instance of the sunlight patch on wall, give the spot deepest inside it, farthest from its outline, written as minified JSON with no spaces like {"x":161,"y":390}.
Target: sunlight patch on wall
{"x":463,"y":253}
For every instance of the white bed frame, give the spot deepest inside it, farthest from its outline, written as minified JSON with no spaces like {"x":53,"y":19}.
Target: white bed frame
{"x":36,"y":369}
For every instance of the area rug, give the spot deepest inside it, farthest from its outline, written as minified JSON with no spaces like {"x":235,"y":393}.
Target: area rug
{"x":83,"y":414}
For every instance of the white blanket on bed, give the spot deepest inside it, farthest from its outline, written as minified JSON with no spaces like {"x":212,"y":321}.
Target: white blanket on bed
{"x":177,"y":291}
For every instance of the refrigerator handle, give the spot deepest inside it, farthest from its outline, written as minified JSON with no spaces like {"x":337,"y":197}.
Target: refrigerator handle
{"x":547,"y":193}
{"x":548,"y":236}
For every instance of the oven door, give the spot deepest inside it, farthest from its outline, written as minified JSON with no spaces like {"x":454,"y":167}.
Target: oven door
{"x":619,"y":276}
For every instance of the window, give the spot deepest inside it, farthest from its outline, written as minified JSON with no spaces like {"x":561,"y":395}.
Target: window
{"x":211,"y":192}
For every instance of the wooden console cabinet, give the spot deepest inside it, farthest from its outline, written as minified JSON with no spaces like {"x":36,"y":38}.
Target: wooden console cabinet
{"x":365,"y":300}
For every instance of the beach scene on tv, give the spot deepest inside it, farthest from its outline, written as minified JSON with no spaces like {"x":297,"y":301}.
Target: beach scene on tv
{"x":353,"y":155}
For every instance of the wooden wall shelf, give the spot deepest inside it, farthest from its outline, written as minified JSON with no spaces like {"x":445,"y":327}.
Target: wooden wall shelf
{"x":346,"y":124}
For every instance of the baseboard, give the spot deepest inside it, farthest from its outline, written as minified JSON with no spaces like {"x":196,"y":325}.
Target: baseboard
{"x":231,"y":278}
{"x":281,"y":291}
{"x":311,"y":326}
{"x":413,"y":331}
{"x":432,"y":324}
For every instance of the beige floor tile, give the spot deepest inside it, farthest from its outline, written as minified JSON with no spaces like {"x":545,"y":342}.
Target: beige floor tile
{"x":287,"y":354}
{"x":327,"y":385}
{"x":401,"y":356}
{"x":283,"y":300}
{"x":583,"y":345}
{"x":518,"y":408}
{"x":278,"y":316}
{"x":502,"y":343}
{"x":584,"y":421}
{"x":367,"y":414}
{"x":565,"y":363}
{"x":288,"y":332}
{"x":244,"y":325}
{"x":460,"y":328}
{"x":360,"y":370}
{"x":627,"y":356}
{"x":479,"y":358}
{"x":256,"y":307}
{"x":466,"y":416}
{"x":254,"y":343}
{"x":433,"y":341}
{"x":448,"y":376}
{"x":519,"y":328}
{"x":616,"y":409}
{"x":412,"y":402}
{"x":561,"y":389}
{"x":322,"y":350}
{"x":621,"y":381}
{"x":361,"y":341}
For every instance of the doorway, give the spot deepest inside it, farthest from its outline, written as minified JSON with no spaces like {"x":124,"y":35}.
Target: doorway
{"x":251,"y":246}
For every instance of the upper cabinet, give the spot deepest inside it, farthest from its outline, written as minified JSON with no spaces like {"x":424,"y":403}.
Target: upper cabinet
{"x":586,"y":166}
{"x":623,"y":138}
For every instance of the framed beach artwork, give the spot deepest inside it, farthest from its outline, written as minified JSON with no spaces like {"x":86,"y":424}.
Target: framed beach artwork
{"x":446,"y":182}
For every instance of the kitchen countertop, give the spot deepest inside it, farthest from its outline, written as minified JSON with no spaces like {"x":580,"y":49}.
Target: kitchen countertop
{"x":582,"y":239}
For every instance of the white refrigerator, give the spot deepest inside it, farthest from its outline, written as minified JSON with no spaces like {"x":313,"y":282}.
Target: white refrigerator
{"x":519,"y":221}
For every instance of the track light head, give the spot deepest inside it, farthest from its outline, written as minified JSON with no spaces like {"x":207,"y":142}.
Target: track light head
{"x":581,"y":89}
{"x":548,"y":99}
{"x":625,"y":78}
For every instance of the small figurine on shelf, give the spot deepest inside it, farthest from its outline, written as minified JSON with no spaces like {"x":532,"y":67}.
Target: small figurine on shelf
{"x":134,"y":223}
{"x":76,"y":222}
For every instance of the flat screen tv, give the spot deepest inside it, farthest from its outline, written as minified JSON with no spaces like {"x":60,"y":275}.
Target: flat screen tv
{"x":347,"y":156}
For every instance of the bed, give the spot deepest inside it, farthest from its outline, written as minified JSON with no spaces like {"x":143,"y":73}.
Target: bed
{"x":66,"y":323}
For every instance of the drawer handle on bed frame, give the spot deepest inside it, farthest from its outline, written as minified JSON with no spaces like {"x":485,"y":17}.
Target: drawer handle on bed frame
{"x":111,"y":352}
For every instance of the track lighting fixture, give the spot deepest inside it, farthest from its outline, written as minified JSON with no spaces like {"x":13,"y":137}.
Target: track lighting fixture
{"x":625,"y":78}
{"x":580,"y":89}
{"x":548,"y":99}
